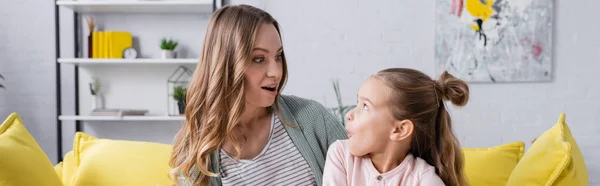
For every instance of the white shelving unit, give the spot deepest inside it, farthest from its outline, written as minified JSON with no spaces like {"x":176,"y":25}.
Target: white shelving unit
{"x":147,"y":61}
{"x":131,"y":82}
{"x":138,"y":6}
{"x":132,"y":6}
{"x":122,"y":118}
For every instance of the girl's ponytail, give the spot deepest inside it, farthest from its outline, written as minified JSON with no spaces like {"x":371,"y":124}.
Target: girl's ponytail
{"x":448,"y":160}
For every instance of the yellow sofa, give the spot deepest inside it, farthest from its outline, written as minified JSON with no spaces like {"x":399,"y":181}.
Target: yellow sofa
{"x":554,"y":159}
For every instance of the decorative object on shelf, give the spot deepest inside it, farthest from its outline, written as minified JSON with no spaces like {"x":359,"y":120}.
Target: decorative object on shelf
{"x":118,"y":112}
{"x":130,"y":53}
{"x":494,"y":41}
{"x":96,"y":91}
{"x":168,"y":48}
{"x":110,"y":44}
{"x":91,"y":27}
{"x":341,"y":110}
{"x":179,"y":94}
{"x":177,"y":87}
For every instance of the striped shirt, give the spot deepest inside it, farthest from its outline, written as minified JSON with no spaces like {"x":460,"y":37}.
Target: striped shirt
{"x":279,"y":163}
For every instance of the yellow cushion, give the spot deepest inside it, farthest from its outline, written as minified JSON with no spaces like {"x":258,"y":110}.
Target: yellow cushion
{"x":553,"y":159}
{"x":119,"y":162}
{"x":68,"y":168}
{"x":492,"y":166}
{"x":58,"y":168}
{"x":22,"y":161}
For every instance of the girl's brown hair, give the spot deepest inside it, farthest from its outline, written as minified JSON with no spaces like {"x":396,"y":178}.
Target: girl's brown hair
{"x":215,"y":96}
{"x":418,"y":98}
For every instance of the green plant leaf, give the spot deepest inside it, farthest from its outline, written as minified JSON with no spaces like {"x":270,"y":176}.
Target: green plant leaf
{"x":179,"y":93}
{"x":167,"y":44}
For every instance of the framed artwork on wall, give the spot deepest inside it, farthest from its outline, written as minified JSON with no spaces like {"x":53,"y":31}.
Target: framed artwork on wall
{"x":494,"y":40}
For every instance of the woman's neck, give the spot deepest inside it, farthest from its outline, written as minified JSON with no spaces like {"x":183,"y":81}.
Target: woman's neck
{"x":252,"y":113}
{"x":388,"y":159}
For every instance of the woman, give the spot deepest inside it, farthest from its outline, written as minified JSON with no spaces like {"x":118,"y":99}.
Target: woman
{"x":239,"y":130}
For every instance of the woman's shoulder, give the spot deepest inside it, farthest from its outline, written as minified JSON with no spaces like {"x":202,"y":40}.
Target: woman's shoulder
{"x":316,"y":120}
{"x":296,"y":102}
{"x":302,"y":107}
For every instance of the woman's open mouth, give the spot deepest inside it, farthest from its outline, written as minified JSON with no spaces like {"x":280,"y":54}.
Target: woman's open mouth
{"x":270,"y":89}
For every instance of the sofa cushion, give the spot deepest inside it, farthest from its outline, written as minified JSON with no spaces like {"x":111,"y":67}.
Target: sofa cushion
{"x":58,"y":168}
{"x":119,"y":162}
{"x":553,"y":159}
{"x":22,"y":161}
{"x":66,"y":168}
{"x":492,"y":166}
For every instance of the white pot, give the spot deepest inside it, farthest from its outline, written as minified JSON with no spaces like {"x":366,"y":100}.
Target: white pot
{"x":168,"y":54}
{"x":98,"y":102}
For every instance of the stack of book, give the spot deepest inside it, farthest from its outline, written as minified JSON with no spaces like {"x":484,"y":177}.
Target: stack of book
{"x":110,"y":44}
{"x":118,"y":112}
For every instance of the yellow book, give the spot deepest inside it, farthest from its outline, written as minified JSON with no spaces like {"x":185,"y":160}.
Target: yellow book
{"x":101,"y":44}
{"x":121,"y":41}
{"x":106,"y":44}
{"x":110,"y":44}
{"x":95,"y":44}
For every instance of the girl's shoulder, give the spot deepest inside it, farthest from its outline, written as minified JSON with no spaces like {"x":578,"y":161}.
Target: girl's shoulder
{"x":341,"y":151}
{"x":340,"y":147}
{"x":425,"y":172}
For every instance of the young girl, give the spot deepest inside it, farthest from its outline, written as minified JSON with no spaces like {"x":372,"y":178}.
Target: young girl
{"x":400,"y":133}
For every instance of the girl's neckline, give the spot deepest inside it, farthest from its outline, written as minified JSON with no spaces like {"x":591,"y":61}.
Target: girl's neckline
{"x":371,"y":167}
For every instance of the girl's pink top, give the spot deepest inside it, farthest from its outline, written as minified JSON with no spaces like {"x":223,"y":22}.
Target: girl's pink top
{"x":341,"y":168}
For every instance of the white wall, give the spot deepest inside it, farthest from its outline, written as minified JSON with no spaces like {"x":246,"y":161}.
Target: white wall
{"x":27,"y":62}
{"x":358,"y":38}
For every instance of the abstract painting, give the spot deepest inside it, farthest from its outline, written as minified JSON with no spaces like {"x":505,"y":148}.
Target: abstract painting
{"x":494,"y":40}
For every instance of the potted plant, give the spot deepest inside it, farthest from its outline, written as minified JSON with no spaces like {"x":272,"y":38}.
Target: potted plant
{"x":96,"y":91}
{"x":168,"y":48}
{"x":179,"y":93}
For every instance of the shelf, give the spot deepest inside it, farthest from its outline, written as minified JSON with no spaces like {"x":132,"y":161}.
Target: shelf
{"x":138,"y":6}
{"x":95,"y":61}
{"x":122,"y":118}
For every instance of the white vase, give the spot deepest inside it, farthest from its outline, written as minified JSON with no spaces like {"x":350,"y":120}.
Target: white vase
{"x":168,"y":54}
{"x":98,"y":102}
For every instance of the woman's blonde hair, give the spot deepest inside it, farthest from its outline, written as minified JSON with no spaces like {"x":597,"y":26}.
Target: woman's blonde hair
{"x":418,"y":98}
{"x":215,"y":96}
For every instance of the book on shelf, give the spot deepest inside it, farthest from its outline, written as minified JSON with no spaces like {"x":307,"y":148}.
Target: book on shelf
{"x":110,"y":44}
{"x":118,"y":112}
